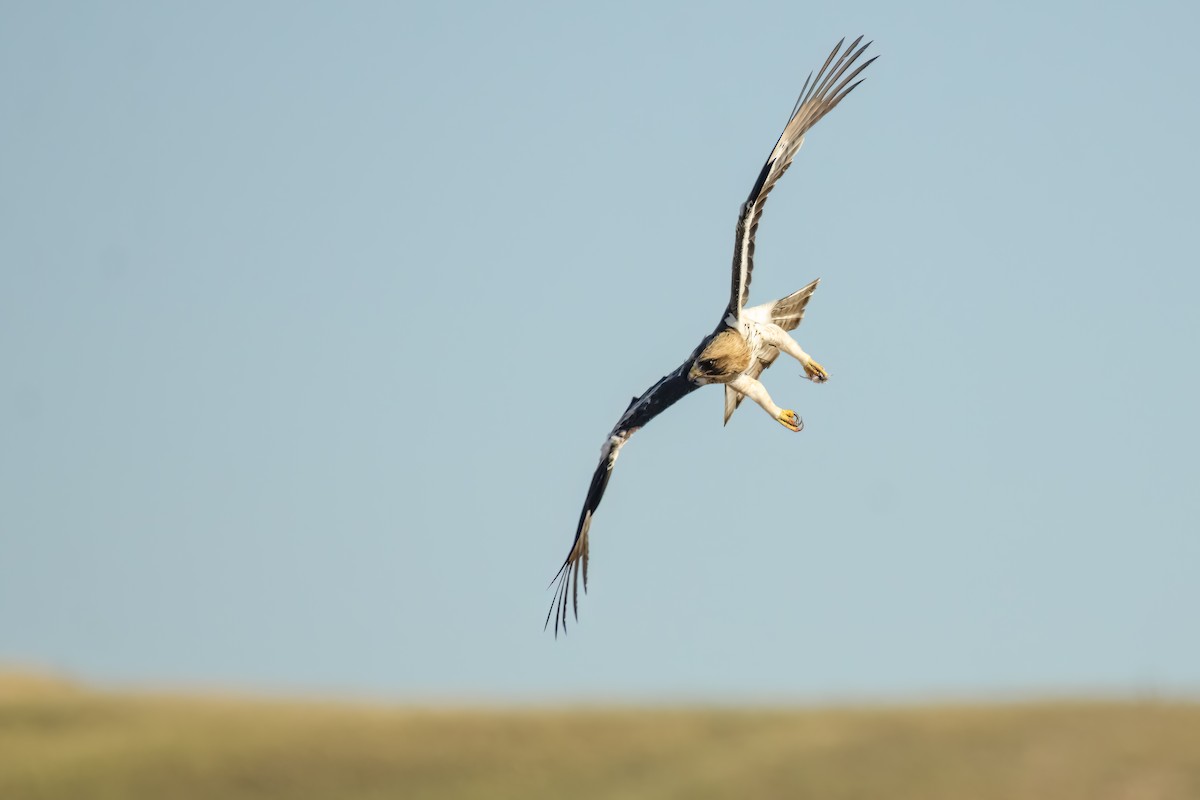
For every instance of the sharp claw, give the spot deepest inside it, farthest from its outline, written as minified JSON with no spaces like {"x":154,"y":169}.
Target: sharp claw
{"x":790,"y":420}
{"x":815,"y":372}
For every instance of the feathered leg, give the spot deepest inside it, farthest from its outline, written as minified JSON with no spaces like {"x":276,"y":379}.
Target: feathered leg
{"x":754,"y":389}
{"x":780,"y":338}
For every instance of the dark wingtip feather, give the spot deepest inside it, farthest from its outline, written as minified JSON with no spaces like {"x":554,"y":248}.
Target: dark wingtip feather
{"x":575,"y":592}
{"x":562,"y":609}
{"x":585,"y":566}
{"x":800,"y":97}
{"x":558,"y":606}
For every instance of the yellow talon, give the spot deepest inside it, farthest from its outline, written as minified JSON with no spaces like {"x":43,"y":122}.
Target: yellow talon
{"x":790,"y":420}
{"x":816,"y":373}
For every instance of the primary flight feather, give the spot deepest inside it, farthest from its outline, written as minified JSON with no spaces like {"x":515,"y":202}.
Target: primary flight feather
{"x":745,"y":342}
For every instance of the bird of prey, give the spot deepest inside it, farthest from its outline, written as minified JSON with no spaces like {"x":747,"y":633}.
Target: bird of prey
{"x":746,"y":340}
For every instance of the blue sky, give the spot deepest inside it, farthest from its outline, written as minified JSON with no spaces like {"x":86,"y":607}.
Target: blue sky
{"x":313,"y":319}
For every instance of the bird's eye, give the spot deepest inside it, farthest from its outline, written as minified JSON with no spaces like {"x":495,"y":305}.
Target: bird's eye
{"x":706,"y":364}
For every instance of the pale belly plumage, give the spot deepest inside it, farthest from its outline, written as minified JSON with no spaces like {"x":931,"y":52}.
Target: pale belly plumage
{"x":758,"y":343}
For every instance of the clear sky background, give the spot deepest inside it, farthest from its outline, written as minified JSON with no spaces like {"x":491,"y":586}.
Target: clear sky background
{"x":313,"y":318}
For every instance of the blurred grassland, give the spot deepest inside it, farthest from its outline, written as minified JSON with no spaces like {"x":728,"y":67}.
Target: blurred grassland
{"x":58,"y":740}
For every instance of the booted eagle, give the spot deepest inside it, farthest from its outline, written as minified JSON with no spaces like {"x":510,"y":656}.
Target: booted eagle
{"x":746,"y":340}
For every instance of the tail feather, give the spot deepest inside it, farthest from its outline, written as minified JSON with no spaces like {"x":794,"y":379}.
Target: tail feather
{"x":732,"y":400}
{"x":787,"y":312}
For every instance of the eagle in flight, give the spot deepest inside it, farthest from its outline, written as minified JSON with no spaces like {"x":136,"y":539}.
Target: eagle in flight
{"x":746,"y":340}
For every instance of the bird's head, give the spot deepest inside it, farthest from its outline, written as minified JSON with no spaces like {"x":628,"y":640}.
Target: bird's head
{"x":721,"y":359}
{"x":703,"y":371}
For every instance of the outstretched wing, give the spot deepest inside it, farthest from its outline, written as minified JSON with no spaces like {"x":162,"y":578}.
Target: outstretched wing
{"x":817,"y":98}
{"x":657,"y":399}
{"x":787,"y":313}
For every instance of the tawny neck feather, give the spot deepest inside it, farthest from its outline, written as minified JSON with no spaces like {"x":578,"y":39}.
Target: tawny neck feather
{"x":724,"y":358}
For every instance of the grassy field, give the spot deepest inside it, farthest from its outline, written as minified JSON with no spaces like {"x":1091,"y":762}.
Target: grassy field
{"x":61,"y":741}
